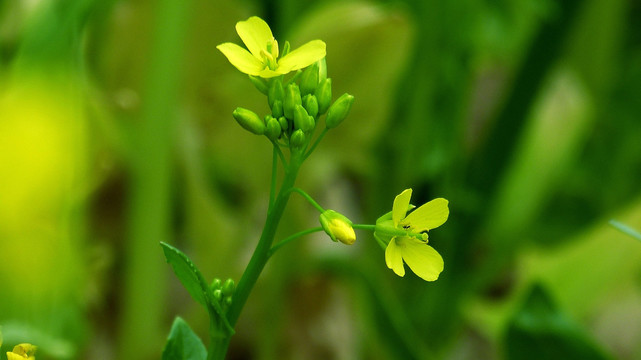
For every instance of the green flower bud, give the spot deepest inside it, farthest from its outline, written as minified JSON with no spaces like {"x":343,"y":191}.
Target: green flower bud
{"x":284,"y":124}
{"x":218,"y":295}
{"x":228,"y":287}
{"x":323,"y":95}
{"x":272,"y":129}
{"x":277,"y":109}
{"x":297,"y":139}
{"x":276,"y":92}
{"x":286,"y":48}
{"x":311,"y":104}
{"x":259,"y":83}
{"x":216,"y":284}
{"x":228,"y":301}
{"x":322,"y":70}
{"x":302,"y":120}
{"x":309,"y":80}
{"x":249,"y":121}
{"x":338,"y":227}
{"x":339,"y":110}
{"x":292,"y":98}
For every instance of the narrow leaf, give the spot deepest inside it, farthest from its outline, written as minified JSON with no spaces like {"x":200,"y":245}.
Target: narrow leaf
{"x":626,"y":229}
{"x":187,"y":273}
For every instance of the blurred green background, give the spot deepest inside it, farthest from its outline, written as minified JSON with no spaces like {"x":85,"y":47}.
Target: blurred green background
{"x":116,"y":133}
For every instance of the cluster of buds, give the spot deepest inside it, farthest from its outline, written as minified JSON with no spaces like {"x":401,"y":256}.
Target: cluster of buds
{"x":223,"y":292}
{"x":296,"y":106}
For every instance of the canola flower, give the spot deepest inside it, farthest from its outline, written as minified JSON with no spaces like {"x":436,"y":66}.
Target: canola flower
{"x":262,"y":58}
{"x":405,"y":236}
{"x":21,"y":352}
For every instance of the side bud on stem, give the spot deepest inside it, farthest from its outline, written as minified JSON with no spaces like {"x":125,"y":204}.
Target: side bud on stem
{"x":323,"y":95}
{"x":249,"y":121}
{"x":338,"y":227}
{"x":339,"y":110}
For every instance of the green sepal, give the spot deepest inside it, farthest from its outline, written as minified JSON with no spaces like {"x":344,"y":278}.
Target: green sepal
{"x":273,"y":129}
{"x":183,"y":344}
{"x":302,"y":120}
{"x":339,"y":110}
{"x":277,"y":109}
{"x":297,"y":139}
{"x":286,"y":48}
{"x":292,"y":98}
{"x":284,"y":124}
{"x":194,"y":282}
{"x":311,"y":105}
{"x":309,"y":80}
{"x":259,"y":83}
{"x":323,"y":95}
{"x":276,"y":92}
{"x":249,"y":121}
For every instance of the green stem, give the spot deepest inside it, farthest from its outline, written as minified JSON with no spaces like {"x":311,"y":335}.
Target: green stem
{"x":318,"y":140}
{"x":272,"y":187}
{"x":218,"y":346}
{"x":293,"y":237}
{"x":364,"y":226}
{"x":308,"y":198}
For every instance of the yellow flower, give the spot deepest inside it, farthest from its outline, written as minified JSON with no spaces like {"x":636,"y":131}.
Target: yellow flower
{"x":21,"y":352}
{"x":262,"y":58}
{"x":406,"y":238}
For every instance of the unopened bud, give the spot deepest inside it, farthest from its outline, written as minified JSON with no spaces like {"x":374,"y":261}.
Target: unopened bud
{"x":309,"y":80}
{"x":302,"y":120}
{"x":297,"y":139}
{"x":311,"y":104}
{"x":228,"y":287}
{"x":275,"y":92}
{"x":216,"y":284}
{"x":338,"y":227}
{"x":272,"y":129}
{"x":323,"y":95}
{"x":292,"y":98}
{"x":249,"y":121}
{"x":284,"y":124}
{"x":218,"y":294}
{"x":277,"y":109}
{"x":339,"y":110}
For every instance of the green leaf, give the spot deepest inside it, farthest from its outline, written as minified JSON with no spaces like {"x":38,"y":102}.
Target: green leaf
{"x":188,"y":274}
{"x":183,"y":343}
{"x":193,"y":280}
{"x":540,"y":331}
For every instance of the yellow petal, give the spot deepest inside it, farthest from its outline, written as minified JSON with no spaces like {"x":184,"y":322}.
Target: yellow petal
{"x":401,"y":203}
{"x":302,"y":57}
{"x":426,"y":217}
{"x":255,"y":33}
{"x":393,"y":258}
{"x":422,"y":259}
{"x":241,"y":58}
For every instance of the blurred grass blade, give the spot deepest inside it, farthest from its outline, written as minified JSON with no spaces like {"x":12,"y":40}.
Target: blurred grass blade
{"x":540,"y":331}
{"x":625,"y":229}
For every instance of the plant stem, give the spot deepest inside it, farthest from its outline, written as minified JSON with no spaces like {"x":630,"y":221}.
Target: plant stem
{"x":293,"y":237}
{"x":308,"y":198}
{"x":218,"y":346}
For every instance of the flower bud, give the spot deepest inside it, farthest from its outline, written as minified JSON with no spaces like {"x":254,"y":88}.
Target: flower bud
{"x":323,"y":95}
{"x":259,"y":83}
{"x":218,"y":295}
{"x":249,"y":121}
{"x":311,"y":104}
{"x":272,"y":129}
{"x":297,"y":139}
{"x":302,"y":120}
{"x":216,"y":284}
{"x":338,"y":227}
{"x":339,"y":110}
{"x":309,"y":80}
{"x":228,"y":287}
{"x":284,"y":124}
{"x":277,"y":109}
{"x":292,"y":98}
{"x":275,"y":92}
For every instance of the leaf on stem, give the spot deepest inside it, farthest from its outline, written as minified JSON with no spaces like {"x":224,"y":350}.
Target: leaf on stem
{"x":183,"y":343}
